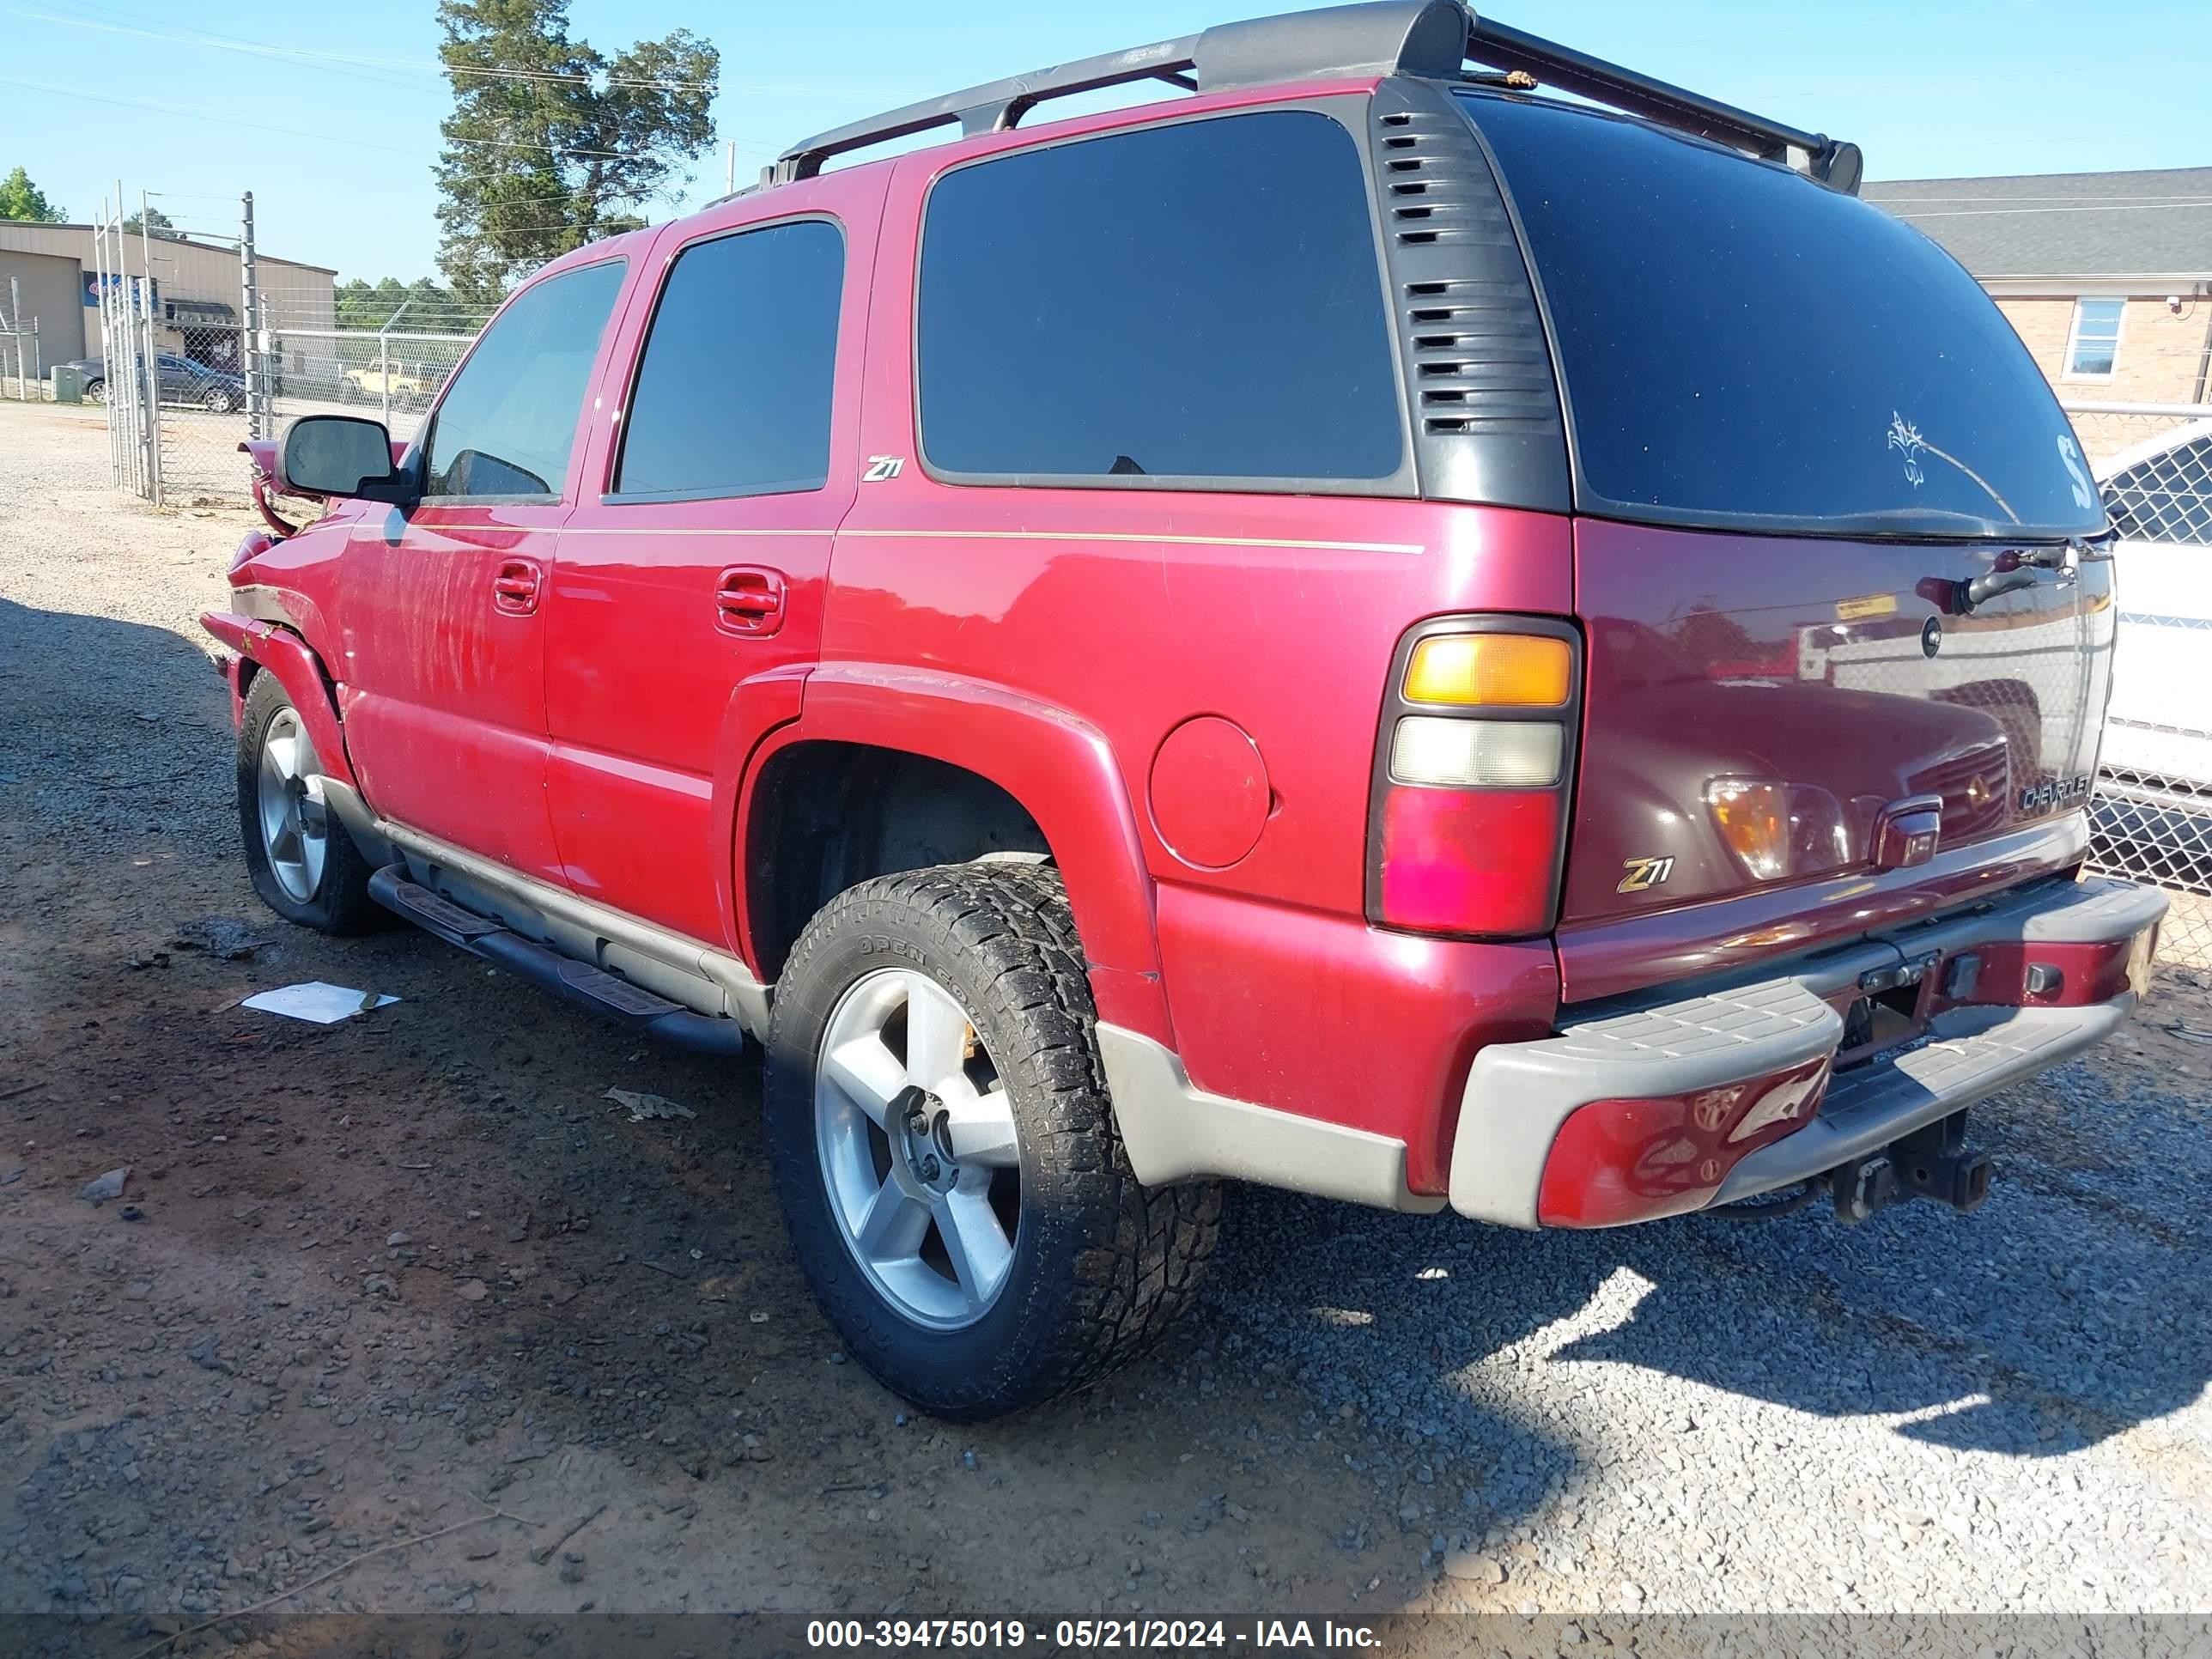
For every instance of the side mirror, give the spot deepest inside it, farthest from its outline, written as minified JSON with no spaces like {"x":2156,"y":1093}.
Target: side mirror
{"x":339,"y":455}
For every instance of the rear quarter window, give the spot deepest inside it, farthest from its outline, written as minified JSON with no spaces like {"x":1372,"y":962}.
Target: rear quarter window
{"x":1741,"y":346}
{"x":1200,"y":302}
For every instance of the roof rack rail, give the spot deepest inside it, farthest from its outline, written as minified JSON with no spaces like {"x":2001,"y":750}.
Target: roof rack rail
{"x":1429,"y":38}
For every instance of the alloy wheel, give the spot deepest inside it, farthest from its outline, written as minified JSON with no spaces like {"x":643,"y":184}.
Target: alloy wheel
{"x":295,"y":819}
{"x":918,"y":1148}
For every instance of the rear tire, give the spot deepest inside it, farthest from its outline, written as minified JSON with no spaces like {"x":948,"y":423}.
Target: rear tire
{"x":1093,"y":1266}
{"x":302,"y":862}
{"x":95,"y":391}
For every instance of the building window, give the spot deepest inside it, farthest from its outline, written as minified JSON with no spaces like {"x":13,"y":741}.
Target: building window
{"x":2095,"y":340}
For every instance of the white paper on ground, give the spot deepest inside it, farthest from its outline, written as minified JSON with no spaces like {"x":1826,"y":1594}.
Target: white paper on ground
{"x":316,"y":1001}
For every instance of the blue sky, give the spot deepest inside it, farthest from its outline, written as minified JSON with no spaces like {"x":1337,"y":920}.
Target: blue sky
{"x":335,"y":130}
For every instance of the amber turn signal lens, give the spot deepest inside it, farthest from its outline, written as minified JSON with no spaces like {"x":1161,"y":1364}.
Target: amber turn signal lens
{"x":1754,"y":818}
{"x":1491,"y":671}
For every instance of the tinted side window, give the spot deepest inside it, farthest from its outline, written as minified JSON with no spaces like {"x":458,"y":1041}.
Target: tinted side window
{"x":509,"y":418}
{"x":2167,"y":498}
{"x":1197,"y":301}
{"x":732,"y":397}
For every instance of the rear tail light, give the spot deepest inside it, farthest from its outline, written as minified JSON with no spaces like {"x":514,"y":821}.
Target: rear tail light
{"x":1617,"y":1161}
{"x":1473,"y":760}
{"x":1495,"y":671}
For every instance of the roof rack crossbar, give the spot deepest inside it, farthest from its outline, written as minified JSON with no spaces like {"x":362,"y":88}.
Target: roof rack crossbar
{"x":1563,"y":67}
{"x":995,"y":106}
{"x":1430,"y":38}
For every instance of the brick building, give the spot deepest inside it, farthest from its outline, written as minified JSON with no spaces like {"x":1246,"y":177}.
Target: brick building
{"x":2107,"y":276}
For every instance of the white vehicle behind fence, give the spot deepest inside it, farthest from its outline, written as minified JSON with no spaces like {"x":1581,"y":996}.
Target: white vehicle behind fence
{"x":2153,"y":815}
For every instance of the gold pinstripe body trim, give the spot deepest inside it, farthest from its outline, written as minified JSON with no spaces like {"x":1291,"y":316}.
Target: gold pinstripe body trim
{"x":1107,"y":536}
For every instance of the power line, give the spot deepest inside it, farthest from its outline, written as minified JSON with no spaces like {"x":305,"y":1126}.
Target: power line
{"x":214,"y":41}
{"x":295,"y":132}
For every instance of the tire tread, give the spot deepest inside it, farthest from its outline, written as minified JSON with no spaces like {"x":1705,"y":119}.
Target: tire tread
{"x":1135,"y":1257}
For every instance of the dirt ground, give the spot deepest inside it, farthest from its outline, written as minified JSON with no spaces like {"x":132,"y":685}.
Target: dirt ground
{"x":369,"y":1281}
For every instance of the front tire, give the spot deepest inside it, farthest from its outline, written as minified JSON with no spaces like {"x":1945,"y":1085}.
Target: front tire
{"x":946,"y":1156}
{"x":302,"y":862}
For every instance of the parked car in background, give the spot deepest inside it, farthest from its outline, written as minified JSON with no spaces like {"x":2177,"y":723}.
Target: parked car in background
{"x":409,"y":385}
{"x":2154,"y":811}
{"x":1096,"y":645}
{"x":184,"y":381}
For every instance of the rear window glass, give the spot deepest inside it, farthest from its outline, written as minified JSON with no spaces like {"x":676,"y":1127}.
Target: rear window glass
{"x":1741,"y":346}
{"x":1199,"y":301}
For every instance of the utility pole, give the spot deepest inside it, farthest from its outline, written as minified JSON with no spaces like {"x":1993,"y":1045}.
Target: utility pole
{"x":249,"y":334}
{"x":730,"y":170}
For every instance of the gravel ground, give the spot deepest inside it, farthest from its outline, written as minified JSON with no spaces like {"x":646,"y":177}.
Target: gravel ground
{"x":371,"y":1281}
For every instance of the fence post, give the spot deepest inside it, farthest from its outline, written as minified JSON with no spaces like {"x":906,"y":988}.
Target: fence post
{"x":99,"y":292}
{"x":153,"y":351}
{"x":384,"y":359}
{"x":122,"y":350}
{"x":249,"y":339}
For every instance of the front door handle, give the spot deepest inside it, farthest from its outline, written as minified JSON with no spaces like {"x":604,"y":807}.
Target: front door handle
{"x":514,"y":589}
{"x":749,"y":599}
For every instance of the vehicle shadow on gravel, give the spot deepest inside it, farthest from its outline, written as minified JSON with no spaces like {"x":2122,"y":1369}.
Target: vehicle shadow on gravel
{"x":99,"y":695}
{"x":2070,"y":1309}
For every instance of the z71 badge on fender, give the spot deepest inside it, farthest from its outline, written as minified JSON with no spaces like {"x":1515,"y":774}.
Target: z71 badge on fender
{"x":1645,"y":874}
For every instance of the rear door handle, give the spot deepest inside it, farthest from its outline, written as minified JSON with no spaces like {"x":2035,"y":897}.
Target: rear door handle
{"x":514,"y":589}
{"x":749,"y":599}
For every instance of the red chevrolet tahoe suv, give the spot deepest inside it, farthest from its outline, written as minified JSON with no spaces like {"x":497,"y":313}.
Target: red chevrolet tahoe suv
{"x":1365,"y":629}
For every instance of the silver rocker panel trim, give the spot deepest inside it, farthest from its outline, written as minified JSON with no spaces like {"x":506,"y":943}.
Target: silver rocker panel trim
{"x":683,"y":970}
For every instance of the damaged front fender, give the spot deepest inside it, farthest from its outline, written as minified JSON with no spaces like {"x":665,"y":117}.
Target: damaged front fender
{"x":284,"y":654}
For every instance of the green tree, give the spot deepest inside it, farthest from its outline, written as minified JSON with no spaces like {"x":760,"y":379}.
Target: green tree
{"x":21,"y":199}
{"x":163,"y":227}
{"x":432,"y":307}
{"x":552,"y":144}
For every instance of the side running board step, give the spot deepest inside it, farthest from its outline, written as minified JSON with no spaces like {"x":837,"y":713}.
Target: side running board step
{"x":616,"y":998}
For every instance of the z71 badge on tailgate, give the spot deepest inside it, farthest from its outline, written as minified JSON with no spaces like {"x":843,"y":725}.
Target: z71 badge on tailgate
{"x":1645,"y":874}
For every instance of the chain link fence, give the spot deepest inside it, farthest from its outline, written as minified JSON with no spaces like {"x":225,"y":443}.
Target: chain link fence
{"x":2151,"y":818}
{"x":202,"y":412}
{"x":22,"y":365}
{"x":2110,"y":428}
{"x":388,"y":375}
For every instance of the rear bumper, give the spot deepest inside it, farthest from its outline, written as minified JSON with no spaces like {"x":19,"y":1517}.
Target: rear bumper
{"x":1976,"y":1038}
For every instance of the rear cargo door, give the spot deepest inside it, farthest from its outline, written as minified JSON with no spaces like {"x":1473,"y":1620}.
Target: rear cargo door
{"x":1756,"y":705}
{"x":1835,"y":545}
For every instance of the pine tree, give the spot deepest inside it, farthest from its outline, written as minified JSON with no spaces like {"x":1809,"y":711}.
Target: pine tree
{"x":162,"y":227}
{"x":551,"y":144}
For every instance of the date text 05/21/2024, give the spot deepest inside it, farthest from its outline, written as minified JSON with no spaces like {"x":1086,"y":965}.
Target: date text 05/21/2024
{"x":1141,"y":1634}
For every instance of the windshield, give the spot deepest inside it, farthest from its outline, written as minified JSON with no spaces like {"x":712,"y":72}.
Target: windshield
{"x":1741,"y":347}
